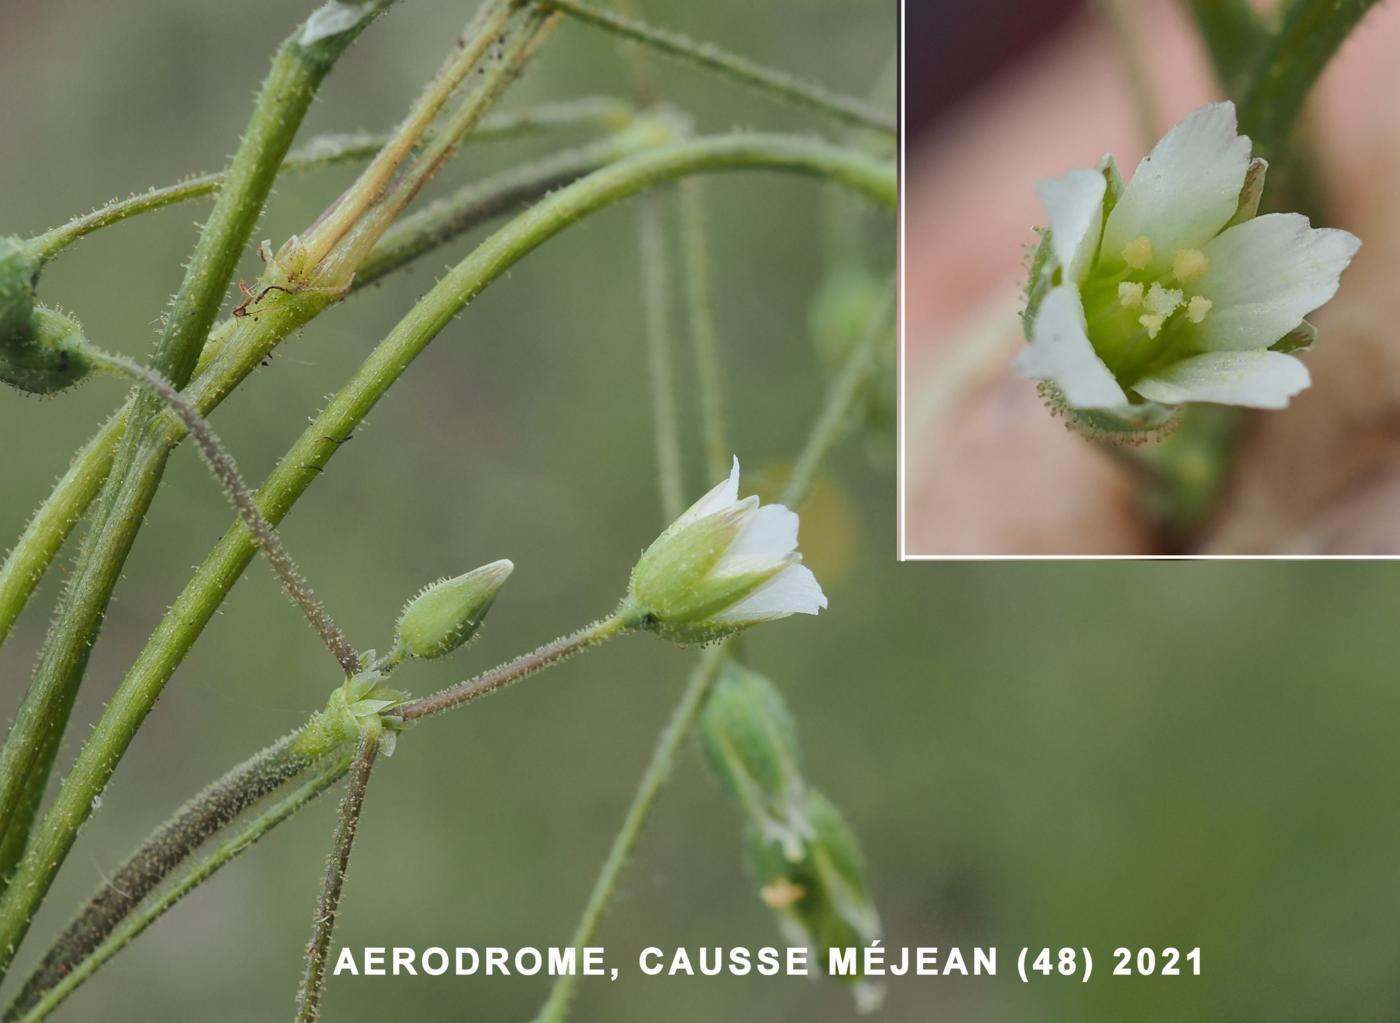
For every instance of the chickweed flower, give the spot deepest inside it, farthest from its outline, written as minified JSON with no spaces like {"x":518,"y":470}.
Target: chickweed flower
{"x":721,"y":567}
{"x":1169,"y":289}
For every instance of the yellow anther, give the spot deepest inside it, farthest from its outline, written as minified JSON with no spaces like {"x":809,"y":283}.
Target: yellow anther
{"x":1197,"y":309}
{"x":1153,"y":322}
{"x":1138,"y":252}
{"x":1163,"y":301}
{"x":1130,"y":294}
{"x":1188,"y":264}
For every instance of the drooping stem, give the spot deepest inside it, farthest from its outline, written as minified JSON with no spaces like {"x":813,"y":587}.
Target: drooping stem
{"x":311,"y":786}
{"x":196,"y":605}
{"x":411,"y":237}
{"x":654,"y":777}
{"x":740,"y":69}
{"x":225,"y":470}
{"x":1290,"y":64}
{"x":704,"y":337}
{"x":330,"y":150}
{"x":159,"y":856}
{"x":328,"y":904}
{"x":656,"y":308}
{"x":836,"y":408}
{"x":301,"y":64}
{"x":511,"y":672}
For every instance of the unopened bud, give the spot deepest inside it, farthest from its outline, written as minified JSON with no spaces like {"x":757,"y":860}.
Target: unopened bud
{"x":752,"y":745}
{"x":449,"y":612}
{"x":46,"y":355}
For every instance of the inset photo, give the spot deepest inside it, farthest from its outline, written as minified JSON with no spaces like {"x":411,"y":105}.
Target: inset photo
{"x":1149,"y":254}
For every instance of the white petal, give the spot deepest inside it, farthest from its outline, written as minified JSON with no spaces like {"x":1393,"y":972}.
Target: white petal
{"x":770,"y":532}
{"x":1253,"y":379}
{"x":1060,"y":351}
{"x":1266,"y":275}
{"x":1074,"y":204}
{"x":1186,"y":189}
{"x":794,"y":590}
{"x":721,"y":496}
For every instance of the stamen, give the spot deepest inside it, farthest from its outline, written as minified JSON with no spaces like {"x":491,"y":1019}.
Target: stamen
{"x":1130,"y":294}
{"x":1138,"y":252}
{"x":1153,"y":322}
{"x":1189,"y":264}
{"x":1163,"y":301}
{"x":1198,"y":307}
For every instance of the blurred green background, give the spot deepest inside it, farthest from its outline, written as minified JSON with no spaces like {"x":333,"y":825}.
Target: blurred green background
{"x":1032,"y":754}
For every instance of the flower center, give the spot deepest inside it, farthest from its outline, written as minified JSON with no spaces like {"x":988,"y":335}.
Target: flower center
{"x":1159,"y":303}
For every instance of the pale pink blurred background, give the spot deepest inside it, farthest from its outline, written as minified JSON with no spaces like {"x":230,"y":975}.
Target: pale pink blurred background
{"x":988,"y":471}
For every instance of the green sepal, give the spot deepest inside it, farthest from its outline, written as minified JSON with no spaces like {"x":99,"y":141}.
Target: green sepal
{"x":47,"y":355}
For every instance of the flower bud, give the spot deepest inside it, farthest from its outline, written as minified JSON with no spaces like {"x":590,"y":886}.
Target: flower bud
{"x":820,"y":899}
{"x":46,"y":355}
{"x":721,"y":567}
{"x":751,"y":742}
{"x":19,"y":272}
{"x":449,"y":612}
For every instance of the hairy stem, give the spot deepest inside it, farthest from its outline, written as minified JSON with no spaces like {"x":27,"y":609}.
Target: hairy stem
{"x":511,"y":672}
{"x":328,"y":904}
{"x":311,"y":786}
{"x":832,"y":420}
{"x":739,"y":69}
{"x":1289,"y":66}
{"x":411,"y":237}
{"x":825,"y":431}
{"x":704,"y":337}
{"x":159,"y":856}
{"x":654,"y":778}
{"x":139,"y":463}
{"x":196,"y":605}
{"x":656,"y":309}
{"x":225,"y":470}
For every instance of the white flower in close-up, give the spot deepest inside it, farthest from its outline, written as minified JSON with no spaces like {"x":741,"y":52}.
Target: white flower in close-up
{"x":1169,"y":290}
{"x":725,"y":564}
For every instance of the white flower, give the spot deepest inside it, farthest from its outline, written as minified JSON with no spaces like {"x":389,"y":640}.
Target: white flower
{"x":1170,"y":290}
{"x":722,"y":566}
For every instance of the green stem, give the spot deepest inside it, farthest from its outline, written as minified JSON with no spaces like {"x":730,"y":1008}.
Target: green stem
{"x":328,"y":904}
{"x":1233,"y":37}
{"x":656,"y":308}
{"x":831,"y":423}
{"x":1291,"y":62}
{"x":196,"y":605}
{"x":413,"y":236}
{"x":836,"y":409}
{"x":740,"y":69}
{"x":27,"y":757}
{"x":605,"y":112}
{"x":209,"y":812}
{"x":658,"y":771}
{"x":704,"y":337}
{"x":132,"y":926}
{"x":523,"y":666}
{"x":226,"y":472}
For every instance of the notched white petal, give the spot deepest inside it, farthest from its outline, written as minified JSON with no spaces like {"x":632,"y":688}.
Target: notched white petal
{"x":770,"y":532}
{"x":1266,"y":275}
{"x":1060,"y":352}
{"x":1252,"y":379}
{"x":1186,"y":189}
{"x":1074,"y":204}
